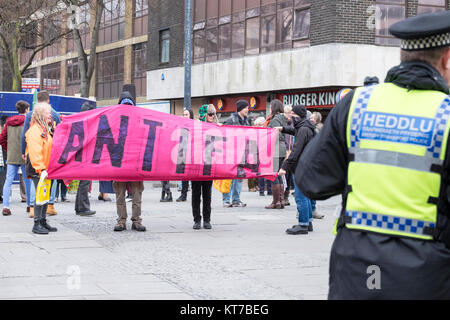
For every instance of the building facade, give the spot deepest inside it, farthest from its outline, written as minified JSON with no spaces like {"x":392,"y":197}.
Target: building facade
{"x":298,"y":51}
{"x":121,"y":53}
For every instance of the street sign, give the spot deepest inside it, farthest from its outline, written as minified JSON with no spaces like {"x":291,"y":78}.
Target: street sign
{"x":28,"y":84}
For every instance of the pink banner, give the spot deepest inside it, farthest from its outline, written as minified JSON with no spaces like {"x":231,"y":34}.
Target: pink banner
{"x":128,"y":143}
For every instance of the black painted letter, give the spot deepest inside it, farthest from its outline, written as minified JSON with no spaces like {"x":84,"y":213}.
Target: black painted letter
{"x":250,"y":147}
{"x":209,"y":149}
{"x":182,"y":150}
{"x":77,"y":129}
{"x":148,"y":155}
{"x":105,"y":136}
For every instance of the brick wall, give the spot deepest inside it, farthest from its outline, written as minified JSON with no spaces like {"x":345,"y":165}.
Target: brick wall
{"x":323,"y":22}
{"x":165,"y":14}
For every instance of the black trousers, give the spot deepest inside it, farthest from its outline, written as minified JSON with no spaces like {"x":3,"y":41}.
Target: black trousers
{"x":82,"y":202}
{"x":184,"y":188}
{"x":201,"y":188}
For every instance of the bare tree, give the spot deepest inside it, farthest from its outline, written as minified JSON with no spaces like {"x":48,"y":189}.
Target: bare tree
{"x":27,"y":24}
{"x":86,"y":63}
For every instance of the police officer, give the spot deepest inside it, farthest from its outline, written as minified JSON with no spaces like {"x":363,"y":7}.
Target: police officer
{"x":384,"y":148}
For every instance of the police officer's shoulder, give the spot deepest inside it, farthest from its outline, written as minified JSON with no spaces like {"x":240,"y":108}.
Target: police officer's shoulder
{"x":425,"y":31}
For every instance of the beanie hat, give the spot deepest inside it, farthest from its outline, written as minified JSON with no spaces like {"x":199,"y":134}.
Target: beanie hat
{"x":241,"y":104}
{"x":202,"y":112}
{"x":299,"y":110}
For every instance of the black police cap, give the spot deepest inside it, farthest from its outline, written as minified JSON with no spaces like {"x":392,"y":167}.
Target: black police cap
{"x":425,"y":31}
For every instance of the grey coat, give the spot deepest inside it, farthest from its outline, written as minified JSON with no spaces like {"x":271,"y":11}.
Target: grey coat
{"x":279,"y":120}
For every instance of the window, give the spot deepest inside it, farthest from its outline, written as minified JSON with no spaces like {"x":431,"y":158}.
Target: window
{"x":110,"y":65}
{"x":73,"y":77}
{"x":50,"y":75}
{"x":429,"y":6}
{"x":164,"y":46}
{"x":52,"y":28}
{"x":112,"y":26}
{"x":140,"y":68}
{"x":234,"y":28}
{"x":140,"y":22}
{"x":30,"y":73}
{"x":391,"y":12}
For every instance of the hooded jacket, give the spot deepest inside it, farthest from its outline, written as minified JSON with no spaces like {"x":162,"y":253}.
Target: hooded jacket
{"x":10,"y":139}
{"x":304,"y":131}
{"x":410,"y":268}
{"x":279,"y":120}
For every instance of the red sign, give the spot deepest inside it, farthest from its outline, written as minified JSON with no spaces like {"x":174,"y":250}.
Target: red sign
{"x":315,"y":99}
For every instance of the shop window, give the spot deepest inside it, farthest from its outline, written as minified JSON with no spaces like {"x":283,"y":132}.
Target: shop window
{"x":391,"y":11}
{"x":429,"y":6}
{"x":164,"y":46}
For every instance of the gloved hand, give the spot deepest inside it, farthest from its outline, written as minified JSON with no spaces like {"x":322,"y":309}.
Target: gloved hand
{"x":43,"y":175}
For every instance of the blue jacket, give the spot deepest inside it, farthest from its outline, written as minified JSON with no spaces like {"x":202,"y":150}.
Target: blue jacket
{"x":26,"y":126}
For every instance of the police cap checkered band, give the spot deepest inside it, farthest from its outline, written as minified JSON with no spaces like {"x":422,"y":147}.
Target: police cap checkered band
{"x":436,"y":41}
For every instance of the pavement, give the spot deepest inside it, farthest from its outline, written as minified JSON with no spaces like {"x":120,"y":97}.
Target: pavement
{"x":245,"y":256}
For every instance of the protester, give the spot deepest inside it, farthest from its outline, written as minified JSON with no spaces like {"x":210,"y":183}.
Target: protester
{"x":105,"y":187}
{"x":289,"y":141}
{"x":2,"y":161}
{"x":239,"y":118}
{"x":82,"y":203}
{"x":316,"y":119}
{"x":203,"y":188}
{"x":10,"y":142}
{"x":304,"y":132}
{"x":277,"y":119}
{"x":44,"y":97}
{"x":262,"y":182}
{"x":187,"y":113}
{"x":39,"y":143}
{"x":136,"y":187}
{"x":166,"y":194}
{"x":61,"y":189}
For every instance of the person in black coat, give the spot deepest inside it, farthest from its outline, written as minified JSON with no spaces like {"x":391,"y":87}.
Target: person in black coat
{"x":304,"y":131}
{"x":82,"y":203}
{"x":187,"y":113}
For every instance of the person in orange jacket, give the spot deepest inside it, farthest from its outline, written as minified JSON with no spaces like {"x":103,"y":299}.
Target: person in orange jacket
{"x":39,"y":143}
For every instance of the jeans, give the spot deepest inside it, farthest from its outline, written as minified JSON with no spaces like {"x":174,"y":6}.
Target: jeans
{"x":10,"y":174}
{"x":313,"y":205}
{"x":52,"y":193}
{"x":60,"y":185}
{"x":263,"y":183}
{"x":303,"y":207}
{"x":235,"y":192}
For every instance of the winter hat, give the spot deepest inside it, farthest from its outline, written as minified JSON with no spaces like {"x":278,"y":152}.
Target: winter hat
{"x":241,"y":104}
{"x":202,"y":112}
{"x":299,"y":110}
{"x":128,"y":95}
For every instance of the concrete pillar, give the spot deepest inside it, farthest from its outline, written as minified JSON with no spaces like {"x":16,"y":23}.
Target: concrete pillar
{"x":128,"y":50}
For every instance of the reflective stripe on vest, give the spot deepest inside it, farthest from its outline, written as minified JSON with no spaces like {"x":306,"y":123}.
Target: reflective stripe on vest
{"x":398,"y":159}
{"x":386,"y":222}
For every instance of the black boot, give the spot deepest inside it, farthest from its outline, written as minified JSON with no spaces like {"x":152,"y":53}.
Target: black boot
{"x":182,"y":198}
{"x":47,"y":226}
{"x":39,"y":228}
{"x":163,"y":195}
{"x":169,"y":197}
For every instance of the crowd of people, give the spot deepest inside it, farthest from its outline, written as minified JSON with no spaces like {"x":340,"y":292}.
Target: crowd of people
{"x":26,"y":141}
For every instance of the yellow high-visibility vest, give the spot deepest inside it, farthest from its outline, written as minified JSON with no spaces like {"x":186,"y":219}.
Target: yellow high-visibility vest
{"x":397,"y":142}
